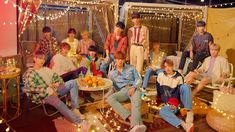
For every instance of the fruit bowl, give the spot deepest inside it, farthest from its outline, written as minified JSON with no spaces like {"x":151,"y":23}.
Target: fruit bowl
{"x":94,"y":83}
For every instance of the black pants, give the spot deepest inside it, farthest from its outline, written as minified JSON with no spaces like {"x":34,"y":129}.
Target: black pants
{"x":73,"y":74}
{"x":198,"y":57}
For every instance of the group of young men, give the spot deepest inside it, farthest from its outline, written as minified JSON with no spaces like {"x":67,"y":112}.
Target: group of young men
{"x":172,"y":87}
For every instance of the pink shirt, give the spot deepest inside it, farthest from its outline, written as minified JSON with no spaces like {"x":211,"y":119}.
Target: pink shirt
{"x":84,"y":45}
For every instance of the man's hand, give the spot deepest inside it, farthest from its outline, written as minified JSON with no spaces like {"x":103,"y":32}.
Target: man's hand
{"x":153,"y":68}
{"x":55,"y":85}
{"x":131,"y":91}
{"x":107,"y":59}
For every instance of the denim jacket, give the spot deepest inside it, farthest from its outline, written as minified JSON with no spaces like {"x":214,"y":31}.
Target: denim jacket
{"x":128,"y":77}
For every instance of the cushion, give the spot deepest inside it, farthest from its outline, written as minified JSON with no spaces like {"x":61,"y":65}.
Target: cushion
{"x":219,"y":122}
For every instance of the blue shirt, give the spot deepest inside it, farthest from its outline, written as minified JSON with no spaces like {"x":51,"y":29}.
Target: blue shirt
{"x":128,"y":77}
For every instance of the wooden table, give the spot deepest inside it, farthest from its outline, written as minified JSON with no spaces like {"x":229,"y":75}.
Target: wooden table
{"x":108,"y":84}
{"x":6,"y":78}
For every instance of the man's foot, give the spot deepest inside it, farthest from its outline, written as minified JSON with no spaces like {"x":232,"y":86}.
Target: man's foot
{"x":189,"y":117}
{"x":188,"y":127}
{"x":138,"y":128}
{"x":78,"y":113}
{"x":83,"y":126}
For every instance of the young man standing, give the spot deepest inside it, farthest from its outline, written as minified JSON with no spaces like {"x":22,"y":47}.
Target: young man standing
{"x":126,"y":81}
{"x":48,"y":45}
{"x":138,"y":40}
{"x":199,"y":48}
{"x":46,"y":85}
{"x":171,"y":90}
{"x":115,"y":42}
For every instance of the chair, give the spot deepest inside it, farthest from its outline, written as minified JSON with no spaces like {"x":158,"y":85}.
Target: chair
{"x":227,"y":81}
{"x":41,"y":103}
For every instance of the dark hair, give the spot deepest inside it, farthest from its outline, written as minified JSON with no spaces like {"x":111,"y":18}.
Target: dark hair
{"x":46,"y":29}
{"x":201,"y":24}
{"x":135,"y":15}
{"x":65,"y":45}
{"x":120,"y":25}
{"x":72,"y":30}
{"x":39,"y":54}
{"x":119,"y":55}
{"x":169,"y":62}
{"x":92,"y":48}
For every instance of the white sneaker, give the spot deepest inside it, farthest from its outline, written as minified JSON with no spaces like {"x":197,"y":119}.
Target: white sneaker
{"x":143,"y":90}
{"x":138,"y":128}
{"x":78,"y":113}
{"x":189,"y":117}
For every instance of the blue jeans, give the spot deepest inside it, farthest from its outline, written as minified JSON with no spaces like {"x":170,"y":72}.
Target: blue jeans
{"x":168,"y":114}
{"x":104,"y":65}
{"x":122,"y":96}
{"x":70,"y":86}
{"x":149,"y":72}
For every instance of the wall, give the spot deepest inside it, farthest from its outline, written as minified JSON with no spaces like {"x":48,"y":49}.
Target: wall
{"x":221,"y":24}
{"x":8,"y":31}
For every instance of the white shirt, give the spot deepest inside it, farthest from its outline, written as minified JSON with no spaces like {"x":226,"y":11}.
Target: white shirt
{"x":62,"y":64}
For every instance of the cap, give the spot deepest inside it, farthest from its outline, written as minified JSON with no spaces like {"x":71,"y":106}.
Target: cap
{"x":173,"y":101}
{"x":135,"y":15}
{"x":201,"y":24}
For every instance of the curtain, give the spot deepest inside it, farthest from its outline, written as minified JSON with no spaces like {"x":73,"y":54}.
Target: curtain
{"x":220,"y":23}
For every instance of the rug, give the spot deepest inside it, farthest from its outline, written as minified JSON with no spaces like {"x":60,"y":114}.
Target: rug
{"x":115,"y":123}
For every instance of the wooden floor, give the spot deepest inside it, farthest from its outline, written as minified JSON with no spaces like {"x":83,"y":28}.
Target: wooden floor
{"x":36,"y":121}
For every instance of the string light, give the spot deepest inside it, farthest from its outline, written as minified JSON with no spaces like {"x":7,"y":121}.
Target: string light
{"x":8,"y":126}
{"x":228,"y":116}
{"x":93,"y":6}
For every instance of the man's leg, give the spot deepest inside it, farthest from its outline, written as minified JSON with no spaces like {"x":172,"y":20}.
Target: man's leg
{"x":133,"y":59}
{"x":135,"y":108}
{"x":139,"y":59}
{"x":62,"y":108}
{"x":168,"y":115}
{"x":189,"y":78}
{"x":114,"y":101}
{"x":72,"y":87}
{"x":183,"y":59}
{"x":149,"y":72}
{"x":201,"y":85}
{"x":186,"y":96}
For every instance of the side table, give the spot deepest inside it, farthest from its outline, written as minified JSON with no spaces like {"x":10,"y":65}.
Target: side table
{"x":6,"y":78}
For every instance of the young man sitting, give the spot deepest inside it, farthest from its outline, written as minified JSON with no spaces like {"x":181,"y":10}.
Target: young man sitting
{"x":91,"y":62}
{"x":46,"y":85}
{"x":171,"y":89}
{"x":156,"y":59}
{"x":214,"y":69}
{"x":126,"y":81}
{"x":63,"y":65}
